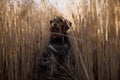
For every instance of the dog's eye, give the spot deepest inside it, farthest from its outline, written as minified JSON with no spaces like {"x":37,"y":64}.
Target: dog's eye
{"x":60,"y":20}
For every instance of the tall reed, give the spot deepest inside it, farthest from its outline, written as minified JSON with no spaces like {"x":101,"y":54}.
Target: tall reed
{"x":97,"y":50}
{"x":24,"y":33}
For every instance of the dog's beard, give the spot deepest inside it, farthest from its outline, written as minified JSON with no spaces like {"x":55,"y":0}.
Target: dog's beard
{"x":54,"y":30}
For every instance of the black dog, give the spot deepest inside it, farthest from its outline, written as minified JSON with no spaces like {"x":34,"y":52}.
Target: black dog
{"x":58,"y":47}
{"x":59,"y":43}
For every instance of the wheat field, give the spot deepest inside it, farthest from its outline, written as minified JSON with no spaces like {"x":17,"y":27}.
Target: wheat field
{"x":95,"y":38}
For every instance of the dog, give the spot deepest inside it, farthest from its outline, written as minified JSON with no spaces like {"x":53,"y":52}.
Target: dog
{"x":59,"y":44}
{"x":58,"y":47}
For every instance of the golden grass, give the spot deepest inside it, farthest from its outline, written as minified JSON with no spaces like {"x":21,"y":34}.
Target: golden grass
{"x":24,"y":33}
{"x":98,"y":28}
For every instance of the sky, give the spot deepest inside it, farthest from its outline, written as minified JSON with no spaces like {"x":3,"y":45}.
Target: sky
{"x":59,"y":4}
{"x":65,"y":7}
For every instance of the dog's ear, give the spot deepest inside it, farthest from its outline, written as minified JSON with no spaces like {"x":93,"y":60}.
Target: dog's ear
{"x":68,"y":24}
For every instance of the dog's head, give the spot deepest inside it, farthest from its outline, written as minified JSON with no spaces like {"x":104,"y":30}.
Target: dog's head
{"x":58,"y":26}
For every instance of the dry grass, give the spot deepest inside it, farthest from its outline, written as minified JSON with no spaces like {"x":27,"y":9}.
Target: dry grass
{"x":24,"y":34}
{"x":98,"y":27}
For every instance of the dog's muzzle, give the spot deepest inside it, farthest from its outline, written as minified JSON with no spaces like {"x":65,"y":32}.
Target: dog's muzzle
{"x":54,"y":29}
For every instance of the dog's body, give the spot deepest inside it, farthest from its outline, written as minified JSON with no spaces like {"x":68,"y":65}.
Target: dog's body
{"x":57,"y":51}
{"x":59,"y":43}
